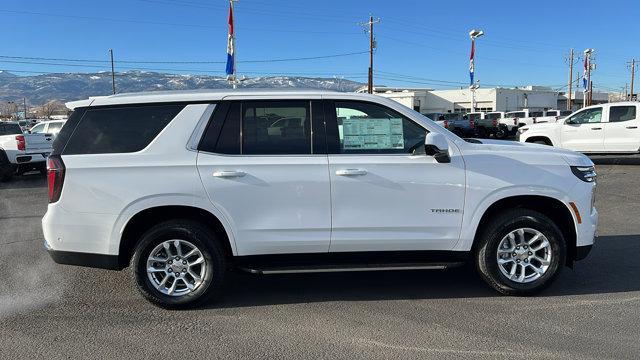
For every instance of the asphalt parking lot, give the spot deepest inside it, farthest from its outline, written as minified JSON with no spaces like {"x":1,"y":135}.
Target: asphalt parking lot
{"x":591,"y":312}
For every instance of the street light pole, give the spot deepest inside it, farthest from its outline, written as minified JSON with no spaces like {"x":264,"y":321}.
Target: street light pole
{"x":473,"y":34}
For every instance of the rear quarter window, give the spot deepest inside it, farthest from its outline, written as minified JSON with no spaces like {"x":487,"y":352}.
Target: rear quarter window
{"x":117,"y":129}
{"x":10,"y":129}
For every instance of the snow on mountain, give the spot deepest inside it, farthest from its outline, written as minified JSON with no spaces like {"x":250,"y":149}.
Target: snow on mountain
{"x":39,"y":89}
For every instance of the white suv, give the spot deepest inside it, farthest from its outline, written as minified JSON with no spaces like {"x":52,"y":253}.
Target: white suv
{"x":612,"y":128}
{"x":183,"y":186}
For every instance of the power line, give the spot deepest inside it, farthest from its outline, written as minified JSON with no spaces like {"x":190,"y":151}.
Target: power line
{"x":183,"y":62}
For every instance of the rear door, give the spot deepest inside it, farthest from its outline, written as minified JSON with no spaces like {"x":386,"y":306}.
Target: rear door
{"x":386,"y":193}
{"x":264,"y":165}
{"x":584,"y":131}
{"x":621,"y":132}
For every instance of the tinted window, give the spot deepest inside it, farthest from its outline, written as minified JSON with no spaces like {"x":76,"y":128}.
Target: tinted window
{"x":492,"y":116}
{"x":276,"y":127}
{"x":622,"y":113}
{"x":535,"y":114}
{"x":119,"y":129}
{"x":518,"y":114}
{"x":586,"y":116}
{"x":10,"y":129}
{"x":475,"y":116}
{"x":367,"y":128}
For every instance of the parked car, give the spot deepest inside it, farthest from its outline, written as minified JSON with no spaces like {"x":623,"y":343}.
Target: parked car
{"x":606,"y":128}
{"x":459,"y":124}
{"x":48,"y":127}
{"x":486,"y":124}
{"x":557,"y":114}
{"x":21,"y":152}
{"x":183,"y":186}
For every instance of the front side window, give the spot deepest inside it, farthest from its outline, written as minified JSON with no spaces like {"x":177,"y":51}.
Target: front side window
{"x":622,"y":113}
{"x":586,"y":116}
{"x":38,"y":129}
{"x":276,"y":127}
{"x":367,"y":128}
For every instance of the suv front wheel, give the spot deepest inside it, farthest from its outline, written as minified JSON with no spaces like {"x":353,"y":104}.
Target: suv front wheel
{"x":521,"y":253}
{"x":178,"y":264}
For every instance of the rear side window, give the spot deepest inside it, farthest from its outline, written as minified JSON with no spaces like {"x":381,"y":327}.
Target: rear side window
{"x":622,"y":113}
{"x":119,"y":129}
{"x":276,"y":127}
{"x":10,"y":129}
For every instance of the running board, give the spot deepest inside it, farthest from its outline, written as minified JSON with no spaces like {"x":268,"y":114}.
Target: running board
{"x":343,"y":268}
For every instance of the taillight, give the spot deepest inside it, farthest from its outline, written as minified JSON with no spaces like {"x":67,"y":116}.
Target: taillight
{"x":55,"y":177}
{"x":494,"y":122}
{"x":446,"y":124}
{"x":21,"y":142}
{"x":515,"y":121}
{"x":472,"y":124}
{"x":534,"y":120}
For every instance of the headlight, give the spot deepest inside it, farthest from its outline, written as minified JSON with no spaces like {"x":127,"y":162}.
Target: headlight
{"x":584,"y":173}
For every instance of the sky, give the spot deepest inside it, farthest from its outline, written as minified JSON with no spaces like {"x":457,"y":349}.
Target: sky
{"x":419,"y":43}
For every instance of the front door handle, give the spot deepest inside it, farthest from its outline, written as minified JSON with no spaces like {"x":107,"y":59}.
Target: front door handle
{"x":229,"y":174}
{"x":632,"y":127}
{"x":596,"y":128}
{"x":351,"y":172}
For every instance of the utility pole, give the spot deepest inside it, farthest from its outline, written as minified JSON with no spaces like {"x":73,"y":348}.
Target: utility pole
{"x":113,"y":74}
{"x":633,"y":75}
{"x":571,"y":63}
{"x":372,"y":46}
{"x":24,"y":102}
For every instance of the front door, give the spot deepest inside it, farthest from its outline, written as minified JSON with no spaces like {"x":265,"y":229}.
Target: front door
{"x":386,"y":193}
{"x":260,"y":167}
{"x":584,"y":131}
{"x":621,"y":133}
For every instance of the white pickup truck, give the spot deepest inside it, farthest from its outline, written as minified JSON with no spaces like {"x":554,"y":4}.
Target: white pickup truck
{"x":607,"y":128}
{"x":22,"y":152}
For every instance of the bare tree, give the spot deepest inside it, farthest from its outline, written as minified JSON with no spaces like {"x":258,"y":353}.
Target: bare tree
{"x":50,"y":107}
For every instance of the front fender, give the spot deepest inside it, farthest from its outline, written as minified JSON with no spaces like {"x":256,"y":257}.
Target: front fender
{"x":472,"y":216}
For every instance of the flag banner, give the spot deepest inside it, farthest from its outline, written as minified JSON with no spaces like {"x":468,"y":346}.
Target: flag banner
{"x":584,"y":74}
{"x":230,"y":45}
{"x":471,"y":65}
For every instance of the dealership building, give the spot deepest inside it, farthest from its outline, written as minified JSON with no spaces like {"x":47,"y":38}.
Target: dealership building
{"x":487,"y":99}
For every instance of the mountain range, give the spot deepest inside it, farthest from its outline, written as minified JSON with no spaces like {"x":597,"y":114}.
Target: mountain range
{"x":38,"y":89}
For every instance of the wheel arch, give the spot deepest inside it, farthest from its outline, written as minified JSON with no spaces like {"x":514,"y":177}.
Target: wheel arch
{"x":546,"y":139}
{"x":554,"y":208}
{"x":148,"y":217}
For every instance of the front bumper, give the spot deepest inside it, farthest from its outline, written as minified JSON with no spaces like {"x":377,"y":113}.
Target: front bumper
{"x":101,"y":261}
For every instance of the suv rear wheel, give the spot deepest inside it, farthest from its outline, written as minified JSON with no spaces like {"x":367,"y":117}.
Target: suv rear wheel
{"x":521,"y":253}
{"x":178,"y":264}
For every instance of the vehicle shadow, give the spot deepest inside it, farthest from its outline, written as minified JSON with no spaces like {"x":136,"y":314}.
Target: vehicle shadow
{"x":29,"y":180}
{"x":610,"y":268}
{"x":615,"y":160}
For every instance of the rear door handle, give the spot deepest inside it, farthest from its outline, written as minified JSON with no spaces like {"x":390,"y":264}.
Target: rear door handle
{"x":596,"y":128}
{"x":229,"y":174}
{"x":351,"y":172}
{"x":632,"y":127}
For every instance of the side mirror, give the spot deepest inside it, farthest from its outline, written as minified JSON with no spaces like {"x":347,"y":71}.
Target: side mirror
{"x":436,"y":145}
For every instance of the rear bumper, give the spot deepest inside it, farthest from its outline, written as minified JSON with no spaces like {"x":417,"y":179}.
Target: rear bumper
{"x":100,"y":261}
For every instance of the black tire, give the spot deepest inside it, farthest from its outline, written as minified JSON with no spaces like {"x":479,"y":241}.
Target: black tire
{"x":195,"y":233}
{"x":497,"y":229}
{"x":7,"y":169}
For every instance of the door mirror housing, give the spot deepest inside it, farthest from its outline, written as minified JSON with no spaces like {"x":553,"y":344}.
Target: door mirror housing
{"x":436,"y":145}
